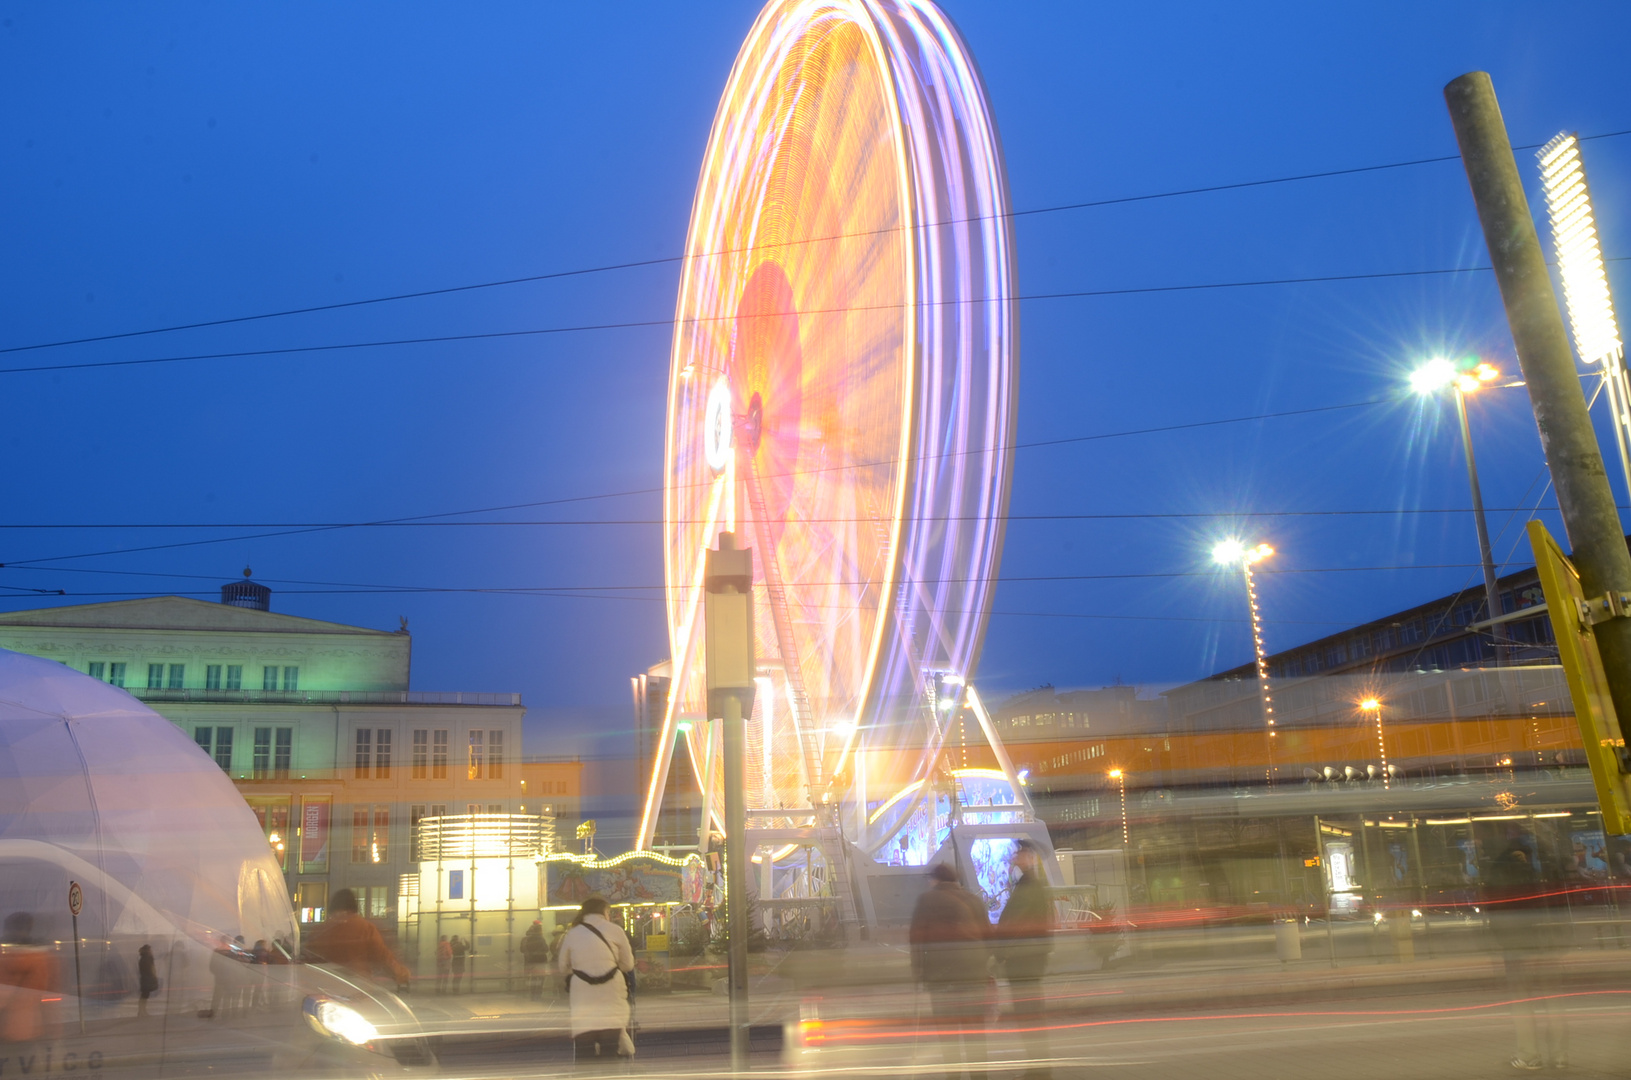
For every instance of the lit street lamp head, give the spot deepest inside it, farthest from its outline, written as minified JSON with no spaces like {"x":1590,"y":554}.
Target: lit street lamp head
{"x":1440,"y":374}
{"x":1233,"y":553}
{"x":1370,"y":704}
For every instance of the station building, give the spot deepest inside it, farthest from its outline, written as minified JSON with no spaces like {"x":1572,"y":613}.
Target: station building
{"x":316,"y":726}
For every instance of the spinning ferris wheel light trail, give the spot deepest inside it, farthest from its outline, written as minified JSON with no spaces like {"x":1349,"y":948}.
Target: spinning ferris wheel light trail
{"x":842,"y":397}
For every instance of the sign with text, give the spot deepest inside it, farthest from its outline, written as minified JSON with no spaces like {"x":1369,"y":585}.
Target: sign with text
{"x":315,"y":812}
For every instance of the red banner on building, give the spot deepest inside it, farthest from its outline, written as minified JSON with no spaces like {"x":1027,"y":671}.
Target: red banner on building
{"x":315,"y":811}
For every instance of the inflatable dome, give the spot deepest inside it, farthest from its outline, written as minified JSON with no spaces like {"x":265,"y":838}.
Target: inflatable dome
{"x":97,"y":788}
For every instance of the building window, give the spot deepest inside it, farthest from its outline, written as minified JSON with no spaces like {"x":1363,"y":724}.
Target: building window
{"x":178,"y":675}
{"x":420,"y":763}
{"x":472,"y":808}
{"x":155,"y":676}
{"x":438,"y":809}
{"x":438,"y":755}
{"x":269,"y":678}
{"x":371,"y":833}
{"x":272,"y":751}
{"x":116,"y":673}
{"x":291,"y":678}
{"x":94,"y":670}
{"x":495,"y":755}
{"x":360,"y":833}
{"x":382,"y":754}
{"x":365,"y":752}
{"x":416,"y":814}
{"x":495,"y":808}
{"x":478,"y":757}
{"x":223,"y":744}
{"x":377,"y":901}
{"x":212,"y":677}
{"x":235,"y":676}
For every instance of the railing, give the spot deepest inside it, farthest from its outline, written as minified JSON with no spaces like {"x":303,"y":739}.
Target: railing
{"x":323,"y":697}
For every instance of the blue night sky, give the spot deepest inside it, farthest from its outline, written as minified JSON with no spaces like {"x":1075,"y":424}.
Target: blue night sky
{"x":166,"y":164}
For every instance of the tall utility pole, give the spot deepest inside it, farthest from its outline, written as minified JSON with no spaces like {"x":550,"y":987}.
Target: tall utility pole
{"x":1566,"y":433}
{"x":1492,"y":591}
{"x":728,"y":617}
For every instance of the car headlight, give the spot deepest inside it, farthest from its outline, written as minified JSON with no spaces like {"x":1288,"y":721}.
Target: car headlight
{"x":337,"y":1021}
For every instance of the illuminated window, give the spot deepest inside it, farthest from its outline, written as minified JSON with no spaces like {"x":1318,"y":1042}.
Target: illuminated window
{"x":116,"y":674}
{"x":438,"y":756}
{"x":155,"y":676}
{"x":419,"y":764}
{"x":212,"y":677}
{"x":478,"y":757}
{"x":495,"y":755}
{"x":371,"y":834}
{"x":416,"y":814}
{"x":291,"y":678}
{"x":178,"y":674}
{"x":94,"y":670}
{"x":235,"y":676}
{"x":382,"y":754}
{"x":365,"y":753}
{"x":378,"y":902}
{"x":269,"y":677}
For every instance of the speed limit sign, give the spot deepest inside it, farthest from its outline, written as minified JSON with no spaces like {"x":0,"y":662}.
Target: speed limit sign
{"x":76,"y":898}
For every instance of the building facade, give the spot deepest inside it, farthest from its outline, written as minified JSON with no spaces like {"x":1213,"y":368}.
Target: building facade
{"x":314,"y":722}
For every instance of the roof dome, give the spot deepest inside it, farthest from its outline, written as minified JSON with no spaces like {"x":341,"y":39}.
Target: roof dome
{"x":97,"y":788}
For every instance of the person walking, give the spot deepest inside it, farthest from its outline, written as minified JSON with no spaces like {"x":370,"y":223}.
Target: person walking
{"x":350,"y":941}
{"x":1025,"y":930}
{"x":459,"y":951}
{"x":534,"y":959}
{"x":1525,"y":927}
{"x":596,"y":957}
{"x":444,"y":963}
{"x":950,"y":946}
{"x":147,"y":979}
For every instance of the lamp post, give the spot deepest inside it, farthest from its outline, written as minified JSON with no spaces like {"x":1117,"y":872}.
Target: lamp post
{"x":1374,"y":707}
{"x":1121,"y":784}
{"x":1235,"y":553}
{"x":1431,"y":377}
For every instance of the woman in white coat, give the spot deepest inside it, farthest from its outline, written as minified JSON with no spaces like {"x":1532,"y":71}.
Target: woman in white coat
{"x":594,"y":955}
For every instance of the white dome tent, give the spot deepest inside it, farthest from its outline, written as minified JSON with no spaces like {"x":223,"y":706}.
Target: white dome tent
{"x":97,"y":788}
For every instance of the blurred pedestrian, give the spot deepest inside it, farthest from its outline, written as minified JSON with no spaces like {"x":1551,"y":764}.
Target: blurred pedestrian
{"x":25,"y":976}
{"x":1527,"y":930}
{"x":596,"y":958}
{"x":147,"y":979}
{"x":350,"y":941}
{"x":261,"y":988}
{"x":444,"y":963}
{"x":950,"y":949}
{"x":534,"y":959}
{"x":460,"y":951}
{"x":1025,"y":930}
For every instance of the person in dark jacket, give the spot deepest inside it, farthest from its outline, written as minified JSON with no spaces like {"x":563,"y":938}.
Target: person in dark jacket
{"x":950,"y":948}
{"x":1025,"y":936}
{"x":147,"y":978}
{"x":1527,"y":930}
{"x":460,"y":950}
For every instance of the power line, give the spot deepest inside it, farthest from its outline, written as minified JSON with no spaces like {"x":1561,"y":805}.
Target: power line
{"x":1176,"y":515}
{"x":637,"y":324}
{"x":668,"y":259}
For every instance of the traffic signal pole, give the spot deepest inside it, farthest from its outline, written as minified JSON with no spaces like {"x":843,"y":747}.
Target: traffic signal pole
{"x":731,"y":666}
{"x":1566,"y":434}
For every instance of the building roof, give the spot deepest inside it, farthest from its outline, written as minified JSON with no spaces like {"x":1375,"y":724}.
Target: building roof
{"x":177,"y":613}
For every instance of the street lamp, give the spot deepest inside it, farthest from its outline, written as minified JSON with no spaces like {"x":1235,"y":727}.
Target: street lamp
{"x":1121,"y":783}
{"x":1585,"y":282}
{"x":1463,"y":379}
{"x":1234,"y":553}
{"x":1374,"y":706}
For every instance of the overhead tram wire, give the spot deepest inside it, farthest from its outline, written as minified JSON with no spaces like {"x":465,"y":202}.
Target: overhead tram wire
{"x":638,"y":324}
{"x":671,"y":259}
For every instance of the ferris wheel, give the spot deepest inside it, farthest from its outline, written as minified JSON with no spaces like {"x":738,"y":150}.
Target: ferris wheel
{"x":842,"y":397}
